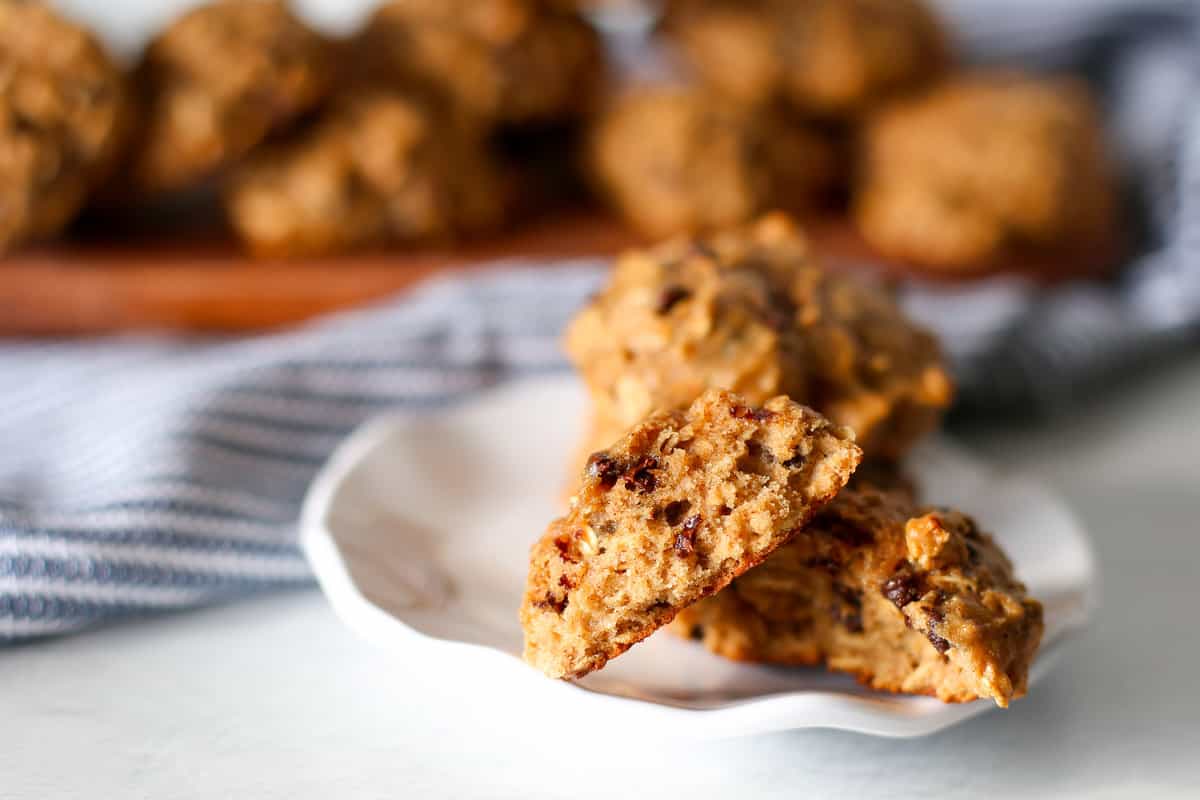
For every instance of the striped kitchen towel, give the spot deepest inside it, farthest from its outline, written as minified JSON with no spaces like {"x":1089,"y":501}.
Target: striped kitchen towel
{"x":140,"y":474}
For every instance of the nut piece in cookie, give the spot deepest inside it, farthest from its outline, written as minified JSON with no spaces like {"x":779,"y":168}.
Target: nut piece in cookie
{"x":826,"y":58}
{"x":512,"y":62}
{"x":218,"y":81}
{"x":674,"y":511}
{"x":752,"y":311}
{"x":985,"y":165}
{"x":678,"y":160}
{"x":380,"y":165}
{"x":906,"y":599}
{"x":64,"y":115}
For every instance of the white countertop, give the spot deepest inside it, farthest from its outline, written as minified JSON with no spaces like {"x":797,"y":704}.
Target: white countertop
{"x":273,"y":698}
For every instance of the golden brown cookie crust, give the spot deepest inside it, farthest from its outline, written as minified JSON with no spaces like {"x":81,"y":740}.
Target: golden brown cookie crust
{"x":751,"y":310}
{"x":684,"y":503}
{"x":219,"y":81}
{"x":828,"y":58}
{"x":676,"y":160}
{"x":64,"y":114}
{"x":984,"y":165}
{"x":907,"y":599}
{"x":381,"y":165}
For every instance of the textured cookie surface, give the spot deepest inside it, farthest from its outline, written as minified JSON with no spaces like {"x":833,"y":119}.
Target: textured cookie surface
{"x":64,"y":113}
{"x":380,"y":165}
{"x":684,"y":503}
{"x":498,"y":61}
{"x":677,"y":160}
{"x":906,"y":599}
{"x":828,"y":58}
{"x":220,"y":80}
{"x":983,"y":165}
{"x":751,"y":310}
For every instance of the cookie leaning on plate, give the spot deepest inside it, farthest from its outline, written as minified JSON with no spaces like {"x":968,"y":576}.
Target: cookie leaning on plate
{"x":907,"y":599}
{"x":671,"y":513}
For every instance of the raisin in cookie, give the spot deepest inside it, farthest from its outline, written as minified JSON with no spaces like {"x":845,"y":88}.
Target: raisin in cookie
{"x":218,"y":81}
{"x":905,"y":599}
{"x":676,"y":160}
{"x":683,"y":504}
{"x":751,"y":310}
{"x":827,"y":58}
{"x":64,"y":114}
{"x":380,"y":165}
{"x":497,"y":61}
{"x":982,"y":165}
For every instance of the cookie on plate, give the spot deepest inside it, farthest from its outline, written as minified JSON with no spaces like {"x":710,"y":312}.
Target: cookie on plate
{"x":680,"y":160}
{"x":904,"y":598}
{"x":671,"y":513}
{"x":752,"y":310}
{"x":64,"y":115}
{"x":381,"y":164}
{"x":219,"y":81}
{"x":499,"y":62}
{"x":984,"y":165}
{"x":827,"y":58}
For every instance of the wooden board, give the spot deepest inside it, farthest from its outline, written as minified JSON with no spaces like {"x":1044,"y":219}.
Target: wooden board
{"x":205,"y":284}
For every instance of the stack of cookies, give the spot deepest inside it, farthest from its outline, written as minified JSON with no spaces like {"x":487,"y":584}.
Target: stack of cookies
{"x":746,"y":482}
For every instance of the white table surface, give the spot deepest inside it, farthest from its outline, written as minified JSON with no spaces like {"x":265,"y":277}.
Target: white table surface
{"x":273,"y":698}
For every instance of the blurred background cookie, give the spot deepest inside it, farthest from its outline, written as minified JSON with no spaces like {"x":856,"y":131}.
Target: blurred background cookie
{"x":674,"y":159}
{"x":64,"y":112}
{"x":826,"y":58}
{"x":218,"y":82}
{"x":984,"y":164}
{"x":380,"y":165}
{"x":511,"y":62}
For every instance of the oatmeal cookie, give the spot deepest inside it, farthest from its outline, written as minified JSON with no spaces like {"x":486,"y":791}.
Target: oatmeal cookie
{"x":218,"y":82}
{"x":381,"y":165}
{"x":981,"y":165}
{"x":515,"y":62}
{"x":674,"y":511}
{"x":751,"y":310}
{"x":64,"y":115}
{"x":906,"y":599}
{"x":679,"y":160}
{"x":827,"y":58}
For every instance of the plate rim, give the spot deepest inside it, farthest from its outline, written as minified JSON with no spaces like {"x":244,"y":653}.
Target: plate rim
{"x":882,"y":716}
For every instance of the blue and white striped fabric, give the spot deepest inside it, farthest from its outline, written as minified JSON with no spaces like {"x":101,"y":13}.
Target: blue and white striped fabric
{"x":143,"y":474}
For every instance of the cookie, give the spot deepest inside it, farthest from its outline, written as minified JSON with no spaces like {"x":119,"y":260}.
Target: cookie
{"x":985,"y":165}
{"x":381,"y":165}
{"x":64,"y":115}
{"x":673,"y":512}
{"x":905,"y":599}
{"x":752,"y":310}
{"x":676,"y":160}
{"x":218,"y":82}
{"x":499,"y":62}
{"x":832,"y":59}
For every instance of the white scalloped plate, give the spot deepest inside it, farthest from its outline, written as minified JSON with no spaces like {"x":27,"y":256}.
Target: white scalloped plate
{"x":419,"y":526}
